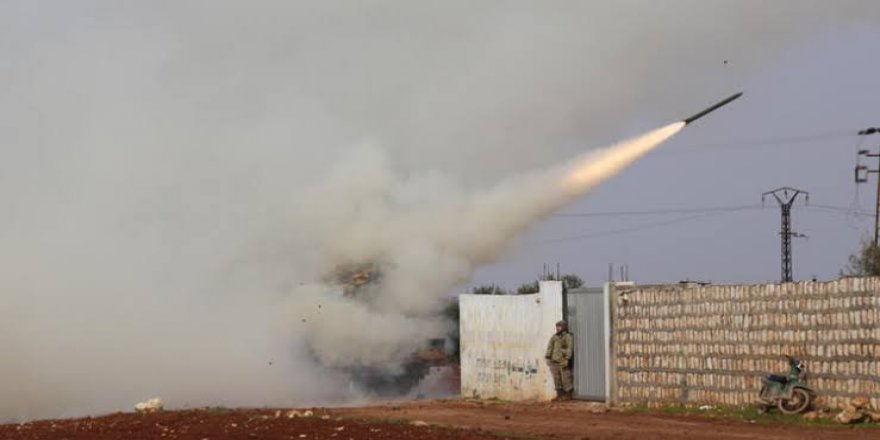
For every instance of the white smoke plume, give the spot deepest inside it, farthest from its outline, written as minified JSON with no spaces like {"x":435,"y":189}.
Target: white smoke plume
{"x":428,"y":236}
{"x":179,"y":178}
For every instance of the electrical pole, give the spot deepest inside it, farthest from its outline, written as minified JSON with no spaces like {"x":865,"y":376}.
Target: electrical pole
{"x":786,"y":196}
{"x":862,"y":172}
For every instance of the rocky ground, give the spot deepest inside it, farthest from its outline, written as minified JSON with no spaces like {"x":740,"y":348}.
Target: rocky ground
{"x":451,"y":419}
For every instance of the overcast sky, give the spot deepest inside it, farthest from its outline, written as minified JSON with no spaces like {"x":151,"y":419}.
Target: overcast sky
{"x":795,"y":126}
{"x":94,"y":92}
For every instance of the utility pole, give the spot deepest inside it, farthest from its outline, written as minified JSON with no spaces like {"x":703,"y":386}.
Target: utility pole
{"x":862,"y":172}
{"x":786,"y":196}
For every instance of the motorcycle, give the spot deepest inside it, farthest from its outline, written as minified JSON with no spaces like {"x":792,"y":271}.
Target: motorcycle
{"x":788,"y":393}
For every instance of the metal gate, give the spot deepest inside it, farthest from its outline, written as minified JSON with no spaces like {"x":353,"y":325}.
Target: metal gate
{"x":586,"y":315}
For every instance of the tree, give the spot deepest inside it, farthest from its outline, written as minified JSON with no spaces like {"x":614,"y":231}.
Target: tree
{"x":572,"y":281}
{"x":569,"y":281}
{"x":488,"y":289}
{"x":528,"y":288}
{"x":865,"y":262}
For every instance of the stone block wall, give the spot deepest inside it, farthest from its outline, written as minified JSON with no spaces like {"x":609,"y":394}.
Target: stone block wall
{"x":712,"y":344}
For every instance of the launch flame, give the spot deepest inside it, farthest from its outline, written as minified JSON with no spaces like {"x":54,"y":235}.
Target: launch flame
{"x":593,"y":168}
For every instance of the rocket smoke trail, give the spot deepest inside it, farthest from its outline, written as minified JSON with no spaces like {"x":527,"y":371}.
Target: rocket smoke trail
{"x":597,"y":167}
{"x":174,"y":234}
{"x":426,"y":248}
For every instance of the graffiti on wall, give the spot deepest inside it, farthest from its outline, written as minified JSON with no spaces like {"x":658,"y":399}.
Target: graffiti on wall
{"x":503,"y":339}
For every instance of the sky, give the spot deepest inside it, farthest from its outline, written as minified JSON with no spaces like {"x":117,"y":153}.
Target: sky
{"x":795,"y":126}
{"x":477,"y":92}
{"x":180,"y":179}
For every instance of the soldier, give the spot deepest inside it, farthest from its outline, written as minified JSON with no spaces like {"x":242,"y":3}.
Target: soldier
{"x":559,"y":353}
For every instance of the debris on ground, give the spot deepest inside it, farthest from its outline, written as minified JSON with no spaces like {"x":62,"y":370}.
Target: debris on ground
{"x":150,"y":406}
{"x":857,"y":410}
{"x":233,"y":424}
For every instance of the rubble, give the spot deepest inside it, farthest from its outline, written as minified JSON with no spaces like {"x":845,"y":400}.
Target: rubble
{"x":857,"y":410}
{"x":150,"y":406}
{"x":846,"y":417}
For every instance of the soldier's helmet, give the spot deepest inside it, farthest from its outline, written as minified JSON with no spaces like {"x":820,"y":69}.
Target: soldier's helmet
{"x":562,"y":324}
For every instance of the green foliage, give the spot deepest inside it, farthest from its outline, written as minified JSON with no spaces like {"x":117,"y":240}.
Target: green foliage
{"x":572,"y":281}
{"x":569,"y":281}
{"x":749,"y":413}
{"x":488,"y":289}
{"x":866,"y":262}
{"x":528,"y":288}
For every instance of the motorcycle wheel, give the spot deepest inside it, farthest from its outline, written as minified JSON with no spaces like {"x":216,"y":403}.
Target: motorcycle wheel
{"x":799,"y":402}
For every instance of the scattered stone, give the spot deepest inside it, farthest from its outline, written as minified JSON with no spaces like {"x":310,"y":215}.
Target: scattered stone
{"x":848,"y":417}
{"x":325,"y":417}
{"x":860,"y":402}
{"x":308,"y":413}
{"x":293,"y":413}
{"x":706,"y":408}
{"x":419,"y":423}
{"x":277,"y":414}
{"x":150,"y":406}
{"x":874,"y":416}
{"x":339,"y":428}
{"x":811,"y":416}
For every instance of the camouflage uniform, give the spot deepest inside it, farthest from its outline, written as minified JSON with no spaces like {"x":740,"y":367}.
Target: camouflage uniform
{"x":560,"y":350}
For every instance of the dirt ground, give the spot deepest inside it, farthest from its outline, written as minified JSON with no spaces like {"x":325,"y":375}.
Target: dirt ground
{"x":452,"y":419}
{"x":582,"y":420}
{"x":227,"y":425}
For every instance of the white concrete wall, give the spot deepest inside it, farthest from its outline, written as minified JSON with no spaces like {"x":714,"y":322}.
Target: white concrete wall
{"x":503,"y":341}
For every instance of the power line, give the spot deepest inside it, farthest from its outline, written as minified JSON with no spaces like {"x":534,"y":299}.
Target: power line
{"x":666,"y":211}
{"x":767,"y":142}
{"x":783,"y":140}
{"x":840,"y":209}
{"x":696,"y":213}
{"x":861,"y":176}
{"x":702,"y":210}
{"x":627,"y":230}
{"x":786,"y":197}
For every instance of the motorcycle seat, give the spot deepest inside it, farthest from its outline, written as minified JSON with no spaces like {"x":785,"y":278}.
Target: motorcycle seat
{"x":777,"y":378}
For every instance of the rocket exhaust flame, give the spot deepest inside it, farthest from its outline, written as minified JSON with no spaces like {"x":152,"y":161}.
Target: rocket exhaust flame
{"x":595,"y":167}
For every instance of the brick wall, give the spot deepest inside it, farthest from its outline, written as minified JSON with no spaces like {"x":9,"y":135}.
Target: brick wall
{"x":676,"y":344}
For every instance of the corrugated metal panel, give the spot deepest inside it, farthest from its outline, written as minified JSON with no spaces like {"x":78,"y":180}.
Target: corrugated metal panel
{"x":586,"y":318}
